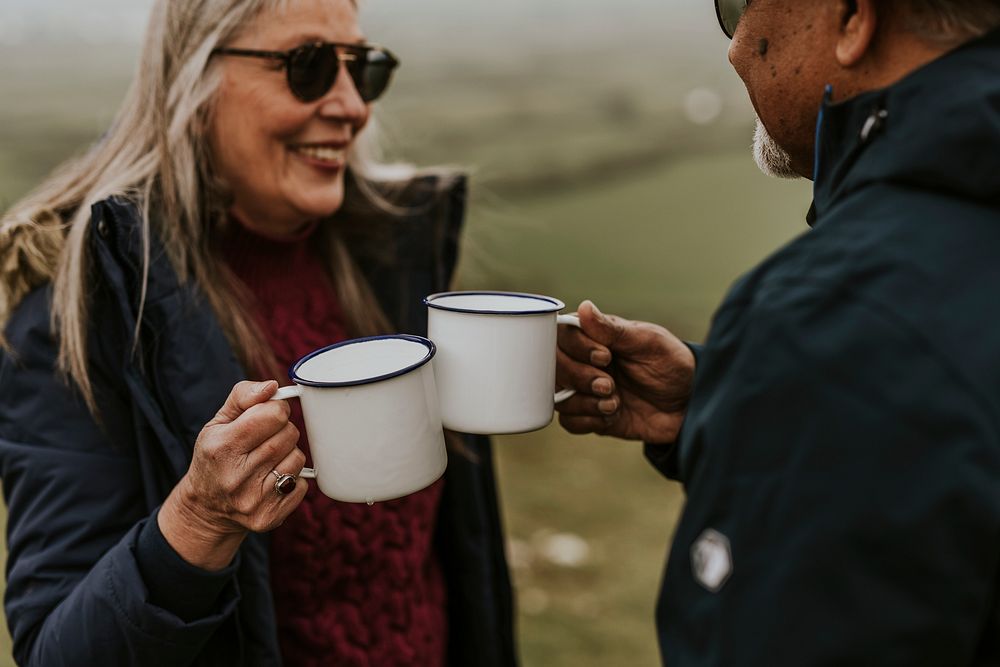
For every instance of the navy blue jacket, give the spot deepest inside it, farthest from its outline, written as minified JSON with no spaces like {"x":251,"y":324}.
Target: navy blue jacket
{"x":841,"y":451}
{"x":80,"y":494}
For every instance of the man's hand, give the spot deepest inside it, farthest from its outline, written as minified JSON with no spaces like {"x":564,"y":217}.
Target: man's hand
{"x":633,"y":379}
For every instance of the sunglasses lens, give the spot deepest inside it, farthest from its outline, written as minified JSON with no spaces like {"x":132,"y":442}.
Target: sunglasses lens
{"x":730,"y":12}
{"x":312,"y":71}
{"x":373,"y":74}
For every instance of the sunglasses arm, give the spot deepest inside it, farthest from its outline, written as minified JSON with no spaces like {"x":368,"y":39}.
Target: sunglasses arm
{"x":250,"y":53}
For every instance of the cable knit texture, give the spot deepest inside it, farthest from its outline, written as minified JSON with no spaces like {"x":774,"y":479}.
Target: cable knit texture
{"x":354,"y":586}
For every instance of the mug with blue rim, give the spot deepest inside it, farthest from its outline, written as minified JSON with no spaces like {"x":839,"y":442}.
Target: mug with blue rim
{"x":496,"y":365}
{"x":371,"y":414}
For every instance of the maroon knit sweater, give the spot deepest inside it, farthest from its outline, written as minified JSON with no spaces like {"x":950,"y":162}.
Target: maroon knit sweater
{"x":353,"y":585}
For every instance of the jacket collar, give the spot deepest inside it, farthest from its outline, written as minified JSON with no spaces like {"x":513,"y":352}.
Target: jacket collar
{"x":936,"y":129}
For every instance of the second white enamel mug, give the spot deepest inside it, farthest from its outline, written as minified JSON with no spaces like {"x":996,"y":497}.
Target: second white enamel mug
{"x":371,"y":413}
{"x":496,"y":364}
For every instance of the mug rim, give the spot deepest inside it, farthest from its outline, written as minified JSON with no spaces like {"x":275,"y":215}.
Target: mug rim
{"x":556,"y":304}
{"x":431,"y":351}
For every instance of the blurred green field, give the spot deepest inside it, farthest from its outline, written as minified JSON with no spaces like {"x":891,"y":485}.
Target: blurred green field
{"x":661,"y":246}
{"x":598,"y":188}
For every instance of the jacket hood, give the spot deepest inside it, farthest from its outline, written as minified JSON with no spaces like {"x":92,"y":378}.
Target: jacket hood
{"x":938,"y":129}
{"x":29,"y":252}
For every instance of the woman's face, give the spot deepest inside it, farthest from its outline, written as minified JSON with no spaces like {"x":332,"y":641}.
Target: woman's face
{"x":282,"y":158}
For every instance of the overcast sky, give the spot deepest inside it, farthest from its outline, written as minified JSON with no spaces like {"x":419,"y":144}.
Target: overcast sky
{"x":103,"y":21}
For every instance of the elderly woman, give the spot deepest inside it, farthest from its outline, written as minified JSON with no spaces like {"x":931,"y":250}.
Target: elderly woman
{"x":227,"y":224}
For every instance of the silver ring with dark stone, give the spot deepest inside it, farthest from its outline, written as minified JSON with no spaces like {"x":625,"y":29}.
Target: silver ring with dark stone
{"x":284,"y":483}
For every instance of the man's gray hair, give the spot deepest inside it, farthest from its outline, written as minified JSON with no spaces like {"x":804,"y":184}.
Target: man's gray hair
{"x":951,"y":20}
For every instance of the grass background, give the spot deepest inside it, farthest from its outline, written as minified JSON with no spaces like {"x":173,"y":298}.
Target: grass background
{"x":598,"y":173}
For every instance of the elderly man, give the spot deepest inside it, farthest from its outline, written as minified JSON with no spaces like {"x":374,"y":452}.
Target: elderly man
{"x":839,"y":432}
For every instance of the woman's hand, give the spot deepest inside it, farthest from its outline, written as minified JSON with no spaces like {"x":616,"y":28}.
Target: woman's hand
{"x":229,"y":489}
{"x":633,"y":379}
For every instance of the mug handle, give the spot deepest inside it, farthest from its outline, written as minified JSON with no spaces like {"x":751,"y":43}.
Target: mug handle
{"x":283,"y":394}
{"x":573,"y":321}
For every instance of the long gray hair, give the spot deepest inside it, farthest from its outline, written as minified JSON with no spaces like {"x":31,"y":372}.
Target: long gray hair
{"x":157,"y":154}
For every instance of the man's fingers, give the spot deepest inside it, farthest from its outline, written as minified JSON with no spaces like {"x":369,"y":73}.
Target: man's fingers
{"x":244,"y":396}
{"x":581,"y":347}
{"x":581,"y":425}
{"x":627,"y":338}
{"x":606,"y":330}
{"x":582,"y":377}
{"x":580,"y":405}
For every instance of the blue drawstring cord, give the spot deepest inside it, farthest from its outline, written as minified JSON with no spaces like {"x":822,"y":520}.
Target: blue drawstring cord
{"x":827,"y":96}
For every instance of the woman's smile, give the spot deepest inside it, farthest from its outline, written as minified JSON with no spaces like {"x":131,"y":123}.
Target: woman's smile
{"x":284,"y":163}
{"x":326,"y":157}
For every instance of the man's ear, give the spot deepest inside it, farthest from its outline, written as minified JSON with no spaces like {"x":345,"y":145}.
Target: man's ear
{"x":858,"y":25}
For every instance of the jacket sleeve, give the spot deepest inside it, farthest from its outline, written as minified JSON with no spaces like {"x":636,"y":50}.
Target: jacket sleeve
{"x":844,"y":507}
{"x":75,"y":591}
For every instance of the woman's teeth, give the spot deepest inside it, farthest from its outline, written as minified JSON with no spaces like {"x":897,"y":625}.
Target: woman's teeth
{"x":324,"y":153}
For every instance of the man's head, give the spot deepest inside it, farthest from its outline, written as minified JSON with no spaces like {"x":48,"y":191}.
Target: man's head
{"x":788,"y":52}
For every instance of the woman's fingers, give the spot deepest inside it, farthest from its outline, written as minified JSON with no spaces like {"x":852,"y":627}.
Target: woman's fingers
{"x":243,"y":396}
{"x":239,"y":448}
{"x":291,"y":464}
{"x":257,"y":500}
{"x":223,"y":443}
{"x":273,"y":450}
{"x":255,"y":425}
{"x":275,"y":507}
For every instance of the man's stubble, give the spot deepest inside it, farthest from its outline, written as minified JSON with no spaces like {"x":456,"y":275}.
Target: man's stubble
{"x":771,"y":158}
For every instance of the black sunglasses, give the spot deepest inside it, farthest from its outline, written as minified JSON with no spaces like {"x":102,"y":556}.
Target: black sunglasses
{"x":311,"y":69}
{"x":730,"y":12}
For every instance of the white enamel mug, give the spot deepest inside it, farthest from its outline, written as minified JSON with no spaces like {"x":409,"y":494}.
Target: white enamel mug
{"x":371,"y":413}
{"x":496,"y":364}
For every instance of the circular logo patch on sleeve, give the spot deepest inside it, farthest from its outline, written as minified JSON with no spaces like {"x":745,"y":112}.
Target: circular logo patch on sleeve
{"x":712,"y":560}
